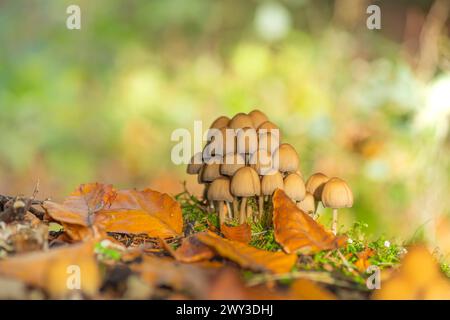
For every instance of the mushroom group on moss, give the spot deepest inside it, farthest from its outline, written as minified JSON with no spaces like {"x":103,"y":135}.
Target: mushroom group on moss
{"x":244,"y":162}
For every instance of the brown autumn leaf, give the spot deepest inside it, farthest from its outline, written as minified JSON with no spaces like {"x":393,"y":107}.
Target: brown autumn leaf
{"x":241,"y":233}
{"x":126,"y":211}
{"x":51,"y":270}
{"x":167,"y":272}
{"x":247,"y":256}
{"x":296,"y":231}
{"x":419,"y":278}
{"x":363,"y":259}
{"x":304,"y":289}
{"x":191,"y":250}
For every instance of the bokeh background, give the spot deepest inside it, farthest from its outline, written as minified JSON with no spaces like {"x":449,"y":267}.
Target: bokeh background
{"x":100,"y":103}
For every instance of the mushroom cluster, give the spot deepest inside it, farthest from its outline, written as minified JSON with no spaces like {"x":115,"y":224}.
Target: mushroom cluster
{"x":244,"y":160}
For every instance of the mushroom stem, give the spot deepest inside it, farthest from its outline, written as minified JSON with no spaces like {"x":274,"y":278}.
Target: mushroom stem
{"x":230,"y":213}
{"x":242,"y":216}
{"x":222,"y":216}
{"x":335,"y":221}
{"x":260,"y":207}
{"x":235,"y":208}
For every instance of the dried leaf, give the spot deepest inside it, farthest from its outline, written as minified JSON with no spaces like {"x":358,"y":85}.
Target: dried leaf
{"x":419,"y":277}
{"x":304,"y":289}
{"x":296,"y":231}
{"x":247,"y":256}
{"x":191,"y":250}
{"x":51,"y":270}
{"x":81,"y":205}
{"x":149,"y":212}
{"x":241,"y":233}
{"x":363,"y":259}
{"x":126,"y":211}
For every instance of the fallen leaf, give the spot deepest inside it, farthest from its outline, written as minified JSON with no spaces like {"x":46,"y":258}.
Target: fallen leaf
{"x":241,"y":233}
{"x":126,"y":211}
{"x":158,"y":272}
{"x":418,"y":278}
{"x":150,"y":212}
{"x":296,"y":231}
{"x":304,"y":289}
{"x":228,"y":285}
{"x":247,"y":256}
{"x":363,"y":259}
{"x":53,"y":270}
{"x":191,"y":250}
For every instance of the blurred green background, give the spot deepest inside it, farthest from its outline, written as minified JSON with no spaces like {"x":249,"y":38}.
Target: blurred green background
{"x":100,"y":103}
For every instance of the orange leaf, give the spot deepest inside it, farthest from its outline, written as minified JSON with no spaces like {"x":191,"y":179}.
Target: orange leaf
{"x":126,"y":211}
{"x":241,"y":233}
{"x":191,"y":250}
{"x":363,"y":259}
{"x":247,"y":256}
{"x":150,"y":212}
{"x":304,"y":289}
{"x":419,"y":277}
{"x":297,"y":231}
{"x":51,"y":270}
{"x":81,"y":205}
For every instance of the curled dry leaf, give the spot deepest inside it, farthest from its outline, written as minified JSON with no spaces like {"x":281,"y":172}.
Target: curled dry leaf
{"x":126,"y":211}
{"x":247,"y":256}
{"x":296,"y":231}
{"x":419,"y":277}
{"x":191,"y":250}
{"x":51,"y":270}
{"x":241,"y":233}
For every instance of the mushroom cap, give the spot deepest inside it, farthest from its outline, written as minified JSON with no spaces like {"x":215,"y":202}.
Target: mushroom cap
{"x":211,"y":170}
{"x":294,"y":187}
{"x":268,"y":141}
{"x":245,"y":183}
{"x":286,"y":157}
{"x":222,"y":141}
{"x":258,"y":117}
{"x":315,"y":184}
{"x":240,"y":120}
{"x":246,"y":140}
{"x":308,"y":204}
{"x":262,"y":162}
{"x":337,"y":194}
{"x":195,"y":164}
{"x":271,"y":182}
{"x":269,"y":126}
{"x":219,"y":190}
{"x":219,"y":123}
{"x":231,"y":163}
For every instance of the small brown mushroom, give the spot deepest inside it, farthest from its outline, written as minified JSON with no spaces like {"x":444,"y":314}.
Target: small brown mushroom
{"x":240,"y":120}
{"x":261,"y":161}
{"x":246,"y":141}
{"x":231,"y":163}
{"x":336,"y":194}
{"x":258,"y":117}
{"x":195,"y":164}
{"x":308,"y":204}
{"x":219,"y":123}
{"x":294,"y":187}
{"x":211,"y":170}
{"x":314,"y":185}
{"x":268,"y":141}
{"x":268,"y":126}
{"x":286,"y":158}
{"x":269,"y":183}
{"x":245,"y":183}
{"x":219,"y":191}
